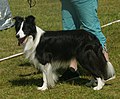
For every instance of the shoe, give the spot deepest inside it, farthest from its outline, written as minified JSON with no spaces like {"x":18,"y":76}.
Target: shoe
{"x":69,"y":74}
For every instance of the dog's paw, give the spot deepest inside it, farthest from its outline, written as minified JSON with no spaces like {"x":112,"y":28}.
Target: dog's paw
{"x":42,"y":88}
{"x":97,"y":88}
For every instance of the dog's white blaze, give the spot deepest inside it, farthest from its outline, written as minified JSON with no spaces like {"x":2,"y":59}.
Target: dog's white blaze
{"x":20,"y":32}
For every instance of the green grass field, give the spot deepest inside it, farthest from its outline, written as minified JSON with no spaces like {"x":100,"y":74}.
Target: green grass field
{"x":19,"y":79}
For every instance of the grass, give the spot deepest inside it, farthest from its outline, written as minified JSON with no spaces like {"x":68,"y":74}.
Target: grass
{"x":19,"y":79}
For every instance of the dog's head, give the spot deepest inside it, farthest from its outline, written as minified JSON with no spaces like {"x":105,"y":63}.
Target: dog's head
{"x":25,"y":27}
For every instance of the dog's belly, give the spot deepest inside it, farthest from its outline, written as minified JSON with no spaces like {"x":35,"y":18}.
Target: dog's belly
{"x":59,"y":64}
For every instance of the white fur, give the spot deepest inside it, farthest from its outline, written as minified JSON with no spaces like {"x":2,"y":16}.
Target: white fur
{"x":57,"y":64}
{"x":30,"y":46}
{"x":100,"y":85}
{"x":110,"y":71}
{"x":51,"y":77}
{"x":20,"y":32}
{"x":45,"y":85}
{"x":49,"y":74}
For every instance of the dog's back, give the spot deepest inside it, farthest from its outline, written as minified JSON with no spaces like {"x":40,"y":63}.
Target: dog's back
{"x":65,"y":45}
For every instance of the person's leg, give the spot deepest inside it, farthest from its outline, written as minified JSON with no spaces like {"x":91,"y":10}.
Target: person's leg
{"x":73,"y":64}
{"x":87,"y":12}
{"x":69,"y":22}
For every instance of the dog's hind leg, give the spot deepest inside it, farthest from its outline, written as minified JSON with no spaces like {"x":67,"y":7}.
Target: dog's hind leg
{"x":100,"y":84}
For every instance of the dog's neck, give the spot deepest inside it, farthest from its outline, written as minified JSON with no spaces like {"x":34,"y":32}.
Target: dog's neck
{"x":30,"y":46}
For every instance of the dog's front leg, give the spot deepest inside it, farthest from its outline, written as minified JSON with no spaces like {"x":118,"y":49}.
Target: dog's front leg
{"x":44,"y":86}
{"x":49,"y":78}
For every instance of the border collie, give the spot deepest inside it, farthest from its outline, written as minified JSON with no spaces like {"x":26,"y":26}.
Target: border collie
{"x":49,"y":50}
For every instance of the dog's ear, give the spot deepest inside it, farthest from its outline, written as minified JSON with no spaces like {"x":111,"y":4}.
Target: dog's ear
{"x":30,"y":19}
{"x":18,"y":19}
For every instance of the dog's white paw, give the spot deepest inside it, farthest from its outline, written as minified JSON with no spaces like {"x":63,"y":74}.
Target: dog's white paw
{"x":42,"y":88}
{"x":100,"y":84}
{"x":97,"y":88}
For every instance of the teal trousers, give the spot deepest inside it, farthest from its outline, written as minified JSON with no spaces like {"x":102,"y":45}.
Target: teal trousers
{"x":82,"y":14}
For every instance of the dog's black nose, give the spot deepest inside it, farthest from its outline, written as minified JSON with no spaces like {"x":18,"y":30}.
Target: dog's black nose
{"x":17,"y":36}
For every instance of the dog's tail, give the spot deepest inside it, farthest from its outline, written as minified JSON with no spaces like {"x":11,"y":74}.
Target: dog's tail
{"x":110,"y":71}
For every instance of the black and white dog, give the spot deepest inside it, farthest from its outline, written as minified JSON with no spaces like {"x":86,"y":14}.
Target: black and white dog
{"x":46,"y":48}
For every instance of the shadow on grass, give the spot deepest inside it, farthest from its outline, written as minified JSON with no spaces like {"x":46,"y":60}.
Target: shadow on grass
{"x":39,"y":82}
{"x":77,"y":81}
{"x":27,"y":64}
{"x":30,"y":74}
{"x":26,"y":82}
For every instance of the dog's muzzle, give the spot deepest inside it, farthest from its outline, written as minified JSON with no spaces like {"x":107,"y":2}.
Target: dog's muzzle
{"x":20,"y":40}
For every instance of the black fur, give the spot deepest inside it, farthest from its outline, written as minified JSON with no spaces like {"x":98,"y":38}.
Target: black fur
{"x":79,"y":44}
